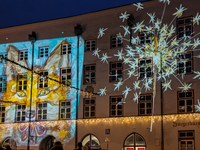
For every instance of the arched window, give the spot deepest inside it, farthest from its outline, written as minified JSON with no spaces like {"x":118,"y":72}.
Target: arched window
{"x":10,"y":141}
{"x":134,"y":141}
{"x":91,"y":141}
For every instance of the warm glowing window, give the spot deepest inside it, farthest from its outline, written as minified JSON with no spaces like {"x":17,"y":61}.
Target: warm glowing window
{"x":116,"y":106}
{"x":22,"y":82}
{"x":91,"y":141}
{"x":42,"y":111}
{"x":43,"y":52}
{"x":66,"y":49}
{"x":89,"y":74}
{"x":90,"y":45}
{"x":184,"y":63}
{"x":145,"y":104}
{"x":145,"y":37}
{"x":115,"y":71}
{"x":65,"y":109}
{"x":185,"y":102}
{"x":116,"y":41}
{"x":89,"y":108}
{"x":184,"y":27}
{"x":43,"y":79}
{"x":186,"y":140}
{"x":145,"y":68}
{"x":2,"y":113}
{"x":3,"y":84}
{"x":23,"y":55}
{"x":66,"y":76}
{"x":4,"y":55}
{"x":20,"y":113}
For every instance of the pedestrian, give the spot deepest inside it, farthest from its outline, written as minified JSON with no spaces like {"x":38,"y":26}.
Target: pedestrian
{"x":57,"y":146}
{"x":80,"y":146}
{"x":8,"y":147}
{"x":1,"y":148}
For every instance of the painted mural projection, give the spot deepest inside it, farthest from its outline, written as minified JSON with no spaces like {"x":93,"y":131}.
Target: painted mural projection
{"x":158,"y":52}
{"x":55,"y":59}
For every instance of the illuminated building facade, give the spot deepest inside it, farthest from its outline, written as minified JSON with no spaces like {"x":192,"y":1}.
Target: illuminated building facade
{"x":146,"y":74}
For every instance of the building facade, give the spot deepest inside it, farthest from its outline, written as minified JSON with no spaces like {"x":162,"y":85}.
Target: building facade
{"x":133,"y":72}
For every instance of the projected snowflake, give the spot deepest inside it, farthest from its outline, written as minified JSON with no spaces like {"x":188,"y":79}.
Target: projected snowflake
{"x":163,"y":55}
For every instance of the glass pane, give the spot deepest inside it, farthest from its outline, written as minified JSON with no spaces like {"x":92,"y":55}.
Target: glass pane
{"x":139,"y":140}
{"x":130,"y":140}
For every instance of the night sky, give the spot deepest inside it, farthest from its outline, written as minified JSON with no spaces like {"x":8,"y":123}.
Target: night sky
{"x":19,"y":12}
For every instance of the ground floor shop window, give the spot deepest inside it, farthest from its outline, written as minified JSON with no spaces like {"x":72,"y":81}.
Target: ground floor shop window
{"x":186,"y":140}
{"x":134,"y":141}
{"x":91,"y":141}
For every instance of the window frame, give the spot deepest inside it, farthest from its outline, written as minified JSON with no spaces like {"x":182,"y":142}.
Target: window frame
{"x":117,"y":39}
{"x":145,"y":37}
{"x":3,"y":82}
{"x":20,"y":110}
{"x":90,"y":74}
{"x":20,"y":74}
{"x":89,"y":105}
{"x":186,"y":138}
{"x":116,"y":71}
{"x":89,"y":45}
{"x":145,"y":102}
{"x":92,"y":147}
{"x":60,"y":107}
{"x":116,"y":109}
{"x":42,"y":111}
{"x":184,"y":25}
{"x":2,"y":112}
{"x":145,"y":72}
{"x":184,"y":61}
{"x":66,"y":74}
{"x":185,"y":101}
{"x":43,"y":80}
{"x":68,"y":48}
{"x":23,"y":55}
{"x":39,"y":54}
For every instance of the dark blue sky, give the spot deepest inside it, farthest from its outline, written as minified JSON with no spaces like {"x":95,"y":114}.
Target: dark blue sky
{"x":19,"y":12}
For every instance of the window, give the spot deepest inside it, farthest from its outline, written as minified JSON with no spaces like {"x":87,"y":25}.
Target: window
{"x":22,"y":82}
{"x":145,"y":68}
{"x":66,"y":76}
{"x":185,"y":102}
{"x":184,"y":63}
{"x":89,"y":74}
{"x":90,"y":45}
{"x":91,"y":141}
{"x":5,"y":55}
{"x":65,"y":109}
{"x":89,"y":108}
{"x":116,"y":106}
{"x":186,"y":140}
{"x":184,"y":27}
{"x":43,"y":52}
{"x":116,"y":41}
{"x":20,"y":113}
{"x":134,"y":141}
{"x":66,"y":49}
{"x":145,"y":104}
{"x":115,"y":71}
{"x":3,"y":84}
{"x":2,"y":113}
{"x":43,"y":79}
{"x":42,"y":111}
{"x":145,"y":37}
{"x":23,"y":55}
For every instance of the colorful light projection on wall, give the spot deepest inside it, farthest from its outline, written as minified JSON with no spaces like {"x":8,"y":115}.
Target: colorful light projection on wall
{"x":53,"y":58}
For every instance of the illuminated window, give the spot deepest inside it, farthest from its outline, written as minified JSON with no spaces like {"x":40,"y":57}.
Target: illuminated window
{"x":66,"y":49}
{"x":134,"y":141}
{"x":116,"y":41}
{"x":91,"y":141}
{"x":185,"y":102}
{"x":3,"y":84}
{"x":186,"y":140}
{"x":115,"y":71}
{"x":116,"y":106}
{"x":65,"y":109}
{"x":90,"y":45}
{"x":20,"y":113}
{"x":42,"y":111}
{"x":89,"y":74}
{"x":4,"y":55}
{"x":43,"y":52}
{"x":145,"y":68}
{"x":2,"y":113}
{"x":184,"y":27}
{"x":184,"y":63}
{"x":22,"y":82}
{"x":43,"y":79}
{"x":89,"y":108}
{"x":145,"y":37}
{"x":66,"y":76}
{"x":145,"y":104}
{"x":23,"y":55}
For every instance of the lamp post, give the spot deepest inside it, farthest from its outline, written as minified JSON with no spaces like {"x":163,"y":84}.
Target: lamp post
{"x":78,"y":32}
{"x":32,"y":39}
